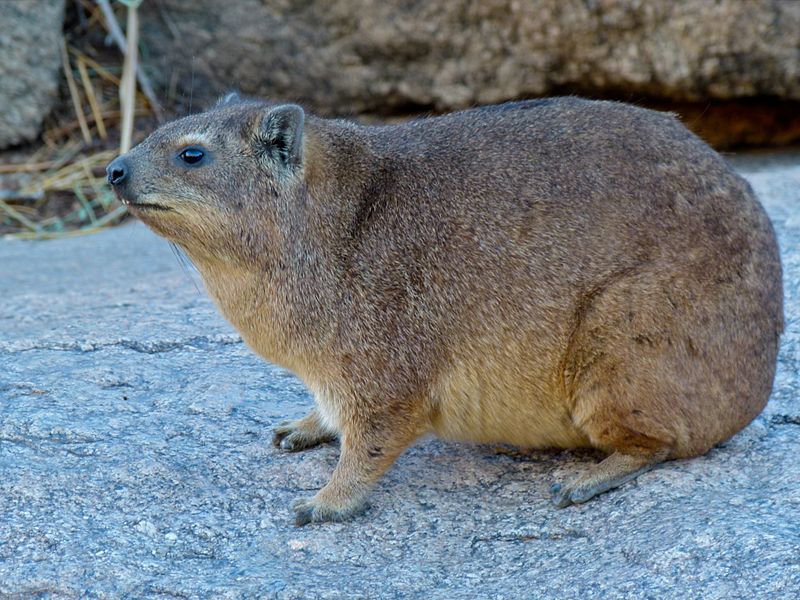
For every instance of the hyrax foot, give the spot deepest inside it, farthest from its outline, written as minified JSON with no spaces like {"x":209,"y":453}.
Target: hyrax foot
{"x":608,"y":474}
{"x":288,"y":436}
{"x":301,"y":434}
{"x":316,"y":510}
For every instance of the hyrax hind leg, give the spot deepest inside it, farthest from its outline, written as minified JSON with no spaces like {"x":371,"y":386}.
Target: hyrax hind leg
{"x":632,"y":384}
{"x":610,"y":473}
{"x":303,"y":433}
{"x":626,"y":420}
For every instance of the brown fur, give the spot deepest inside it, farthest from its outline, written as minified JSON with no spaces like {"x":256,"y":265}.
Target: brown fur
{"x":552,"y":273}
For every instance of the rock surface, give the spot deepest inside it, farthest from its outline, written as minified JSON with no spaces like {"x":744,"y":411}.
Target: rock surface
{"x":30,"y":59}
{"x":356,"y":56}
{"x":135,"y":459}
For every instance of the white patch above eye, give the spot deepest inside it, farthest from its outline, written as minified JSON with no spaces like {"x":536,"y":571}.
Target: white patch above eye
{"x":193,"y":139}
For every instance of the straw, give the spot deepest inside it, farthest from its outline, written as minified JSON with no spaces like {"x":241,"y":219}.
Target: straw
{"x":59,"y":189}
{"x":17,"y":216}
{"x":124,"y":45}
{"x":93,"y":103}
{"x":73,"y":92}
{"x":99,"y":225}
{"x":27,"y":167}
{"x":127,"y":90}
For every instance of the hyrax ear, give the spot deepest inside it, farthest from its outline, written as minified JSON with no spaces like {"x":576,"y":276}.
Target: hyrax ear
{"x":280,"y":135}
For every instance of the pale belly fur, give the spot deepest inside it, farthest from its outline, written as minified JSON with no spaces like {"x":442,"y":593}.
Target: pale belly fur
{"x":489,"y":403}
{"x":483,"y":400}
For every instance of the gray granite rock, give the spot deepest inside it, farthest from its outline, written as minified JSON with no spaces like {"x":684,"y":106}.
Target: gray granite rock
{"x":349,"y":57}
{"x":135,"y":461}
{"x":30,"y":59}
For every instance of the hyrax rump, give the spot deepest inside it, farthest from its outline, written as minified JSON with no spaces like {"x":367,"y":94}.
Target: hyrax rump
{"x":555,"y":273}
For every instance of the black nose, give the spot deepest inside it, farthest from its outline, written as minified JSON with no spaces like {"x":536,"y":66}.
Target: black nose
{"x":117,"y":171}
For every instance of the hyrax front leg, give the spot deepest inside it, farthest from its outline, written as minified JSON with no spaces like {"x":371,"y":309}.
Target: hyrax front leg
{"x":368,"y":449}
{"x":303,"y":433}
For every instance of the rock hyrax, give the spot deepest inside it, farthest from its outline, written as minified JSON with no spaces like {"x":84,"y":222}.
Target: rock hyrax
{"x":556,"y":273}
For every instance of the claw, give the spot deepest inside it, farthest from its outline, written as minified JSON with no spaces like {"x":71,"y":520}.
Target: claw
{"x":560,"y":495}
{"x":304,"y":513}
{"x":310,"y":510}
{"x":298,"y":435}
{"x":282,"y":430}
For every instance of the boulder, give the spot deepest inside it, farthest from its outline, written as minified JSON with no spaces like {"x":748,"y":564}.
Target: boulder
{"x":370,"y":56}
{"x":30,"y":38}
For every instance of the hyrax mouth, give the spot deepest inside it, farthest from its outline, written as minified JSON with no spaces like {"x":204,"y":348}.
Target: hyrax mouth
{"x":145,"y":206}
{"x":126,"y":200}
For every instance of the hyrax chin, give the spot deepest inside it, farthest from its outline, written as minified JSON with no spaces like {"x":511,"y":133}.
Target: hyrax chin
{"x":555,"y":273}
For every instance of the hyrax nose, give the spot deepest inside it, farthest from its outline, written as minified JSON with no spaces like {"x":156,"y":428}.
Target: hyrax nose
{"x":118,"y":171}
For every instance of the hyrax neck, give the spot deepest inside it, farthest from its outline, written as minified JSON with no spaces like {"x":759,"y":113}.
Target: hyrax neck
{"x":287,"y":306}
{"x":271,"y":311}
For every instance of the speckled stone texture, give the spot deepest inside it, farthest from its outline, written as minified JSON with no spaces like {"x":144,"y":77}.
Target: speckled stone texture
{"x":30,"y":59}
{"x":135,"y":461}
{"x":353,"y":56}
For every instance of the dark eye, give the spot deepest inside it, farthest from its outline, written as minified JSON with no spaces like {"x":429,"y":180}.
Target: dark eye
{"x":192,"y":155}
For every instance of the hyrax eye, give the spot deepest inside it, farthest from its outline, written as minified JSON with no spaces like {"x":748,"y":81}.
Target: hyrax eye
{"x":192,"y":155}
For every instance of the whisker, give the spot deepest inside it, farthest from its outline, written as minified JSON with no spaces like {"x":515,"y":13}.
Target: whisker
{"x":191,"y":88}
{"x":185,"y":263}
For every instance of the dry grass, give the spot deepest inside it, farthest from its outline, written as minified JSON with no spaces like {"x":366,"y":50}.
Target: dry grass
{"x":58,"y":188}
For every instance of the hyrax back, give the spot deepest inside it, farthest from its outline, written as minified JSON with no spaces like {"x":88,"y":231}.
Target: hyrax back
{"x":554,"y":273}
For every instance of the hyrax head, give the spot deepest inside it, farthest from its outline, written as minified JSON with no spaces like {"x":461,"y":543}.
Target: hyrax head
{"x":217,"y":182}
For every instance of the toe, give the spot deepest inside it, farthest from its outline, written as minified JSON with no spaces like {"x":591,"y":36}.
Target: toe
{"x":290,"y":443}
{"x":311,"y":510}
{"x":562,"y":499}
{"x":303,"y":513}
{"x":560,"y":495}
{"x":581,"y":495}
{"x":281,"y":432}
